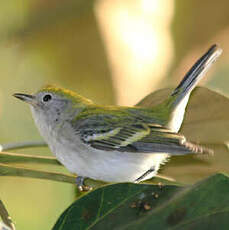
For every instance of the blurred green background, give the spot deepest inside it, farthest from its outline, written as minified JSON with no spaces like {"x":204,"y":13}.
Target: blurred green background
{"x":114,"y":52}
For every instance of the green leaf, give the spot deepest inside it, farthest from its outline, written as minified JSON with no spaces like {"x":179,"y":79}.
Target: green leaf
{"x":204,"y":205}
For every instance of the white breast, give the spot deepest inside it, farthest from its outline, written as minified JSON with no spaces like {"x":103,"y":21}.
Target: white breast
{"x":83,"y":160}
{"x":110,"y":166}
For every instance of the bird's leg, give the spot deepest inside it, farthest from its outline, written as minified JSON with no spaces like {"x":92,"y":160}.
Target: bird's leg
{"x":80,"y":184}
{"x":144,"y":175}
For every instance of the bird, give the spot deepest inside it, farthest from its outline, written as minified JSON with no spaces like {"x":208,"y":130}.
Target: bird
{"x":116,"y":143}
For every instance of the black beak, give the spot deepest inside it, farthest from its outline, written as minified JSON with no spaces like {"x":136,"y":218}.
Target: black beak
{"x":26,"y":98}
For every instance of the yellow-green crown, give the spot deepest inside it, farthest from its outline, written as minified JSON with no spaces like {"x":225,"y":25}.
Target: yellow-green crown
{"x":65,"y":93}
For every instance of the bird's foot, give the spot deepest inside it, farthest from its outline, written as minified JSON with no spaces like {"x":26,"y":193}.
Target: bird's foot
{"x":80,"y":184}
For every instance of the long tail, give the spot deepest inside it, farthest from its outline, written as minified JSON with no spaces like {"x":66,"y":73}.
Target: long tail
{"x":178,"y":100}
{"x":195,"y":74}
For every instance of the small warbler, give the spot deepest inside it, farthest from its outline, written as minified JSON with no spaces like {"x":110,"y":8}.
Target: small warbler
{"x":115,"y":143}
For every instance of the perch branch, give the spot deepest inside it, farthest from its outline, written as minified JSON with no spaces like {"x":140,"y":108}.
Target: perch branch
{"x":6,"y":157}
{"x":8,"y":170}
{"x":22,"y":145}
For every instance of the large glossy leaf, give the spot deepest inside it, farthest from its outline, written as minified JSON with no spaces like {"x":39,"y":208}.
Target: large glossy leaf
{"x":204,"y":205}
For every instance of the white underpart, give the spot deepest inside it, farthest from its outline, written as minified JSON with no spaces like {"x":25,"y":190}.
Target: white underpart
{"x":111,"y":166}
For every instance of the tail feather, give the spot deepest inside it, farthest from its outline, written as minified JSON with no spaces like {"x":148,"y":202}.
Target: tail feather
{"x":195,"y":74}
{"x":195,"y":148}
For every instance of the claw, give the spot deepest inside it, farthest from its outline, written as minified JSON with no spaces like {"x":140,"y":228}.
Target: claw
{"x":81,"y":186}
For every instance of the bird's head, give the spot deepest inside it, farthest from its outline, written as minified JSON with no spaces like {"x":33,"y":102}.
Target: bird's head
{"x":52,"y":102}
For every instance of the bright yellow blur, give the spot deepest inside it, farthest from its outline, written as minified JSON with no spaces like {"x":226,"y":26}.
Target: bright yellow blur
{"x":138,"y":43}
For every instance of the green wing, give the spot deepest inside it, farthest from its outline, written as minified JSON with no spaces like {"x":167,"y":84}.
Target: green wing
{"x":133,"y":136}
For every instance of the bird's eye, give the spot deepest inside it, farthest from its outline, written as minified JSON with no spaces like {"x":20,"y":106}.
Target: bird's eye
{"x":47,"y":97}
